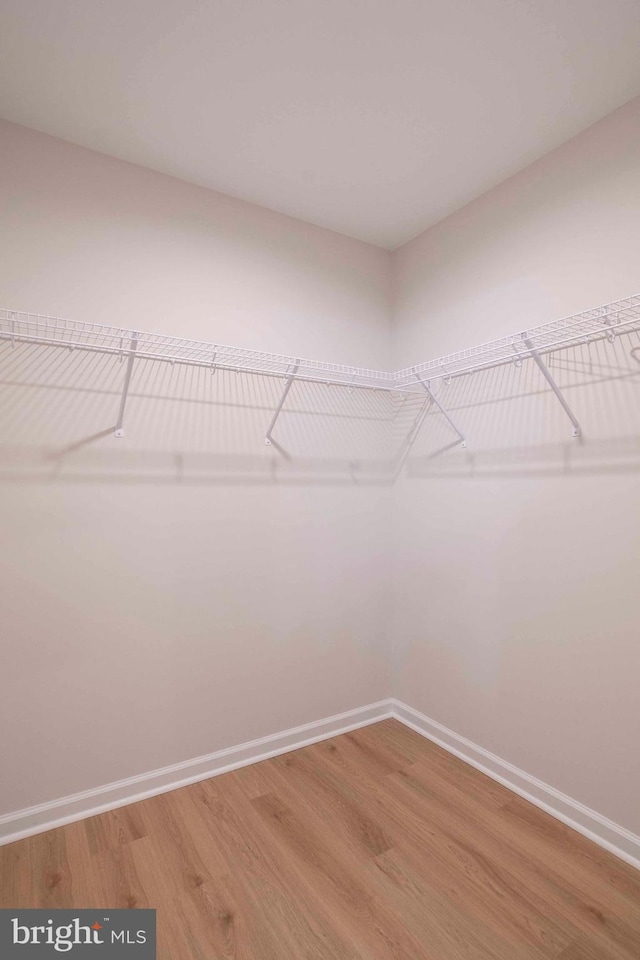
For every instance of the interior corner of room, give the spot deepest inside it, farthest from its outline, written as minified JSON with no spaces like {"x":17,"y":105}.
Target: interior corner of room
{"x":215,"y":555}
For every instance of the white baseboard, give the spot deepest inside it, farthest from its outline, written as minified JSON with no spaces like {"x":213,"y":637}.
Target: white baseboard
{"x":55,"y":813}
{"x":31,"y":820}
{"x":614,"y":838}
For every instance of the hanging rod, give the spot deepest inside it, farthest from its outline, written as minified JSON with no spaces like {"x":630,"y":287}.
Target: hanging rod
{"x":599,"y":323}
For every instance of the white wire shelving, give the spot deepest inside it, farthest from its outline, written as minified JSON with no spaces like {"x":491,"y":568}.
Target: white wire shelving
{"x":589,"y":326}
{"x":20,"y":327}
{"x":599,"y":323}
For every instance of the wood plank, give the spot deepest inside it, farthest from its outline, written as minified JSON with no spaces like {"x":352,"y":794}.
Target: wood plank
{"x":300,"y":924}
{"x":303,"y":778}
{"x":338,"y":883}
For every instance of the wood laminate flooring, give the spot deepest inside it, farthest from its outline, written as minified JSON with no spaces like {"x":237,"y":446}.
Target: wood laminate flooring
{"x":375,"y":844}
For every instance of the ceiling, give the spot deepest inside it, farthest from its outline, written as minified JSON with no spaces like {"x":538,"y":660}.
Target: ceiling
{"x":374,"y":118}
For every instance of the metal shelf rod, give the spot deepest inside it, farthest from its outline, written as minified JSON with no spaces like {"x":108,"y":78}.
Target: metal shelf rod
{"x":267,"y":437}
{"x":447,"y":416}
{"x":119,"y":431}
{"x":544,"y":370}
{"x":411,"y":437}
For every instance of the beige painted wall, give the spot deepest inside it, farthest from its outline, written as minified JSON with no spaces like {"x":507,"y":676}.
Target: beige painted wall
{"x":156,"y":607}
{"x":163,"y":588}
{"x":517,"y":562}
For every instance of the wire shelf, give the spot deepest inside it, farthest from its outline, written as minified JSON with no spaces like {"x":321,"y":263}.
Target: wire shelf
{"x":622,"y":316}
{"x":384,"y":410}
{"x":20,"y":327}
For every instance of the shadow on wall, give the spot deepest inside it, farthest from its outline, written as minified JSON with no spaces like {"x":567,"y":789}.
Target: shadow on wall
{"x":186,"y":425}
{"x":182,"y":424}
{"x":516,"y":427}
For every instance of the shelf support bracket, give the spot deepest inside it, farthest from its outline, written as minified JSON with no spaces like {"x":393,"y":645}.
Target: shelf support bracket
{"x":544,"y":370}
{"x":410,"y":438}
{"x":133,"y":346}
{"x":427,"y":386}
{"x":291,"y":375}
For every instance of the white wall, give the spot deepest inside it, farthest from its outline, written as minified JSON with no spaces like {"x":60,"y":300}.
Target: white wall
{"x":517,"y":561}
{"x":154,"y":611}
{"x":185,"y":598}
